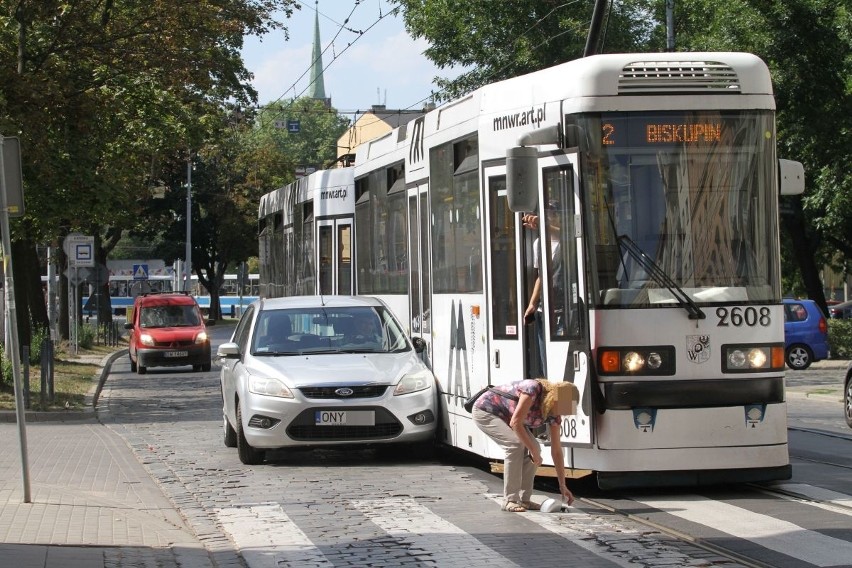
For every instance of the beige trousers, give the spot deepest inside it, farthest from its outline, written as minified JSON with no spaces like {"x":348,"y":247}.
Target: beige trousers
{"x":518,"y":467}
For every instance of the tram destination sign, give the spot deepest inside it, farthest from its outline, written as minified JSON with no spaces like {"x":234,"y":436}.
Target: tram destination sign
{"x":652,"y":130}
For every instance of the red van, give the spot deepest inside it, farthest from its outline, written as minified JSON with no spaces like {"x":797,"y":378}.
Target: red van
{"x":167,"y":330}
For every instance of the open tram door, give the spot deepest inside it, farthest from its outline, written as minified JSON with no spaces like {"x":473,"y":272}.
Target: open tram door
{"x":549,"y":184}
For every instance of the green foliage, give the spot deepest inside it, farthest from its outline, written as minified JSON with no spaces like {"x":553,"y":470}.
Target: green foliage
{"x":38,"y":337}
{"x":6,"y":375}
{"x":86,"y":336}
{"x":840,"y":338}
{"x":496,"y":40}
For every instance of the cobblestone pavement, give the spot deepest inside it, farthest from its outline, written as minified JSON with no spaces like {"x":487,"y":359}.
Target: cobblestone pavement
{"x":355,"y":508}
{"x":148,"y":483}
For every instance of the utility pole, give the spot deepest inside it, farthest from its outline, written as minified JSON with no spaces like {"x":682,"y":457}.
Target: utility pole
{"x":12,"y":340}
{"x":670,"y":34}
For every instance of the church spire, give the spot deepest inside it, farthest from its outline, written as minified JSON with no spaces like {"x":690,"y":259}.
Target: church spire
{"x":317,"y":88}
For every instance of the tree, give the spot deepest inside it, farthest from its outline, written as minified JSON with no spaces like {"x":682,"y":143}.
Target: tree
{"x":100,"y":91}
{"x":501,"y":39}
{"x":243,"y":159}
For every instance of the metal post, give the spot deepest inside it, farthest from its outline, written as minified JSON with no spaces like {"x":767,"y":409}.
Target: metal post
{"x":12,"y":328}
{"x":188,"y":267}
{"x":670,"y":35}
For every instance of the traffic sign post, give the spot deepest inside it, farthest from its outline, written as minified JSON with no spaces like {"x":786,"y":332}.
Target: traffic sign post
{"x":80,"y":252}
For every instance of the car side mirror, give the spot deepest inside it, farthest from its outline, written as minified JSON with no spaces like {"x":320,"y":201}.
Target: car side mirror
{"x":128,"y":325}
{"x":228,"y":351}
{"x":211,"y":322}
{"x":419,"y":344}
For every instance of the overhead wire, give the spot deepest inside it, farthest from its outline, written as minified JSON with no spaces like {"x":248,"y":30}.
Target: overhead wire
{"x":382,"y":15}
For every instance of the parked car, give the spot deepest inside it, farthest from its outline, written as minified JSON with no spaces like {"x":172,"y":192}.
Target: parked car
{"x":805,"y":333}
{"x":847,"y":395}
{"x":842,"y":310}
{"x":167,"y":330}
{"x":315,"y":371}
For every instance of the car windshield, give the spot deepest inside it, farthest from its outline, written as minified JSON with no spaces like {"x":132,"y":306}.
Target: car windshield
{"x":169,"y":316}
{"x":326,"y":329}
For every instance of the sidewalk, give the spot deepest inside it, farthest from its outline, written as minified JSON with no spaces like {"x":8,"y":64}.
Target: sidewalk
{"x":825,"y":384}
{"x":93,"y":504}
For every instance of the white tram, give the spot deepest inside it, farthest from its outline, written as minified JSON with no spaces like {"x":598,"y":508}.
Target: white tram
{"x":656,"y":184}
{"x":306,"y":236}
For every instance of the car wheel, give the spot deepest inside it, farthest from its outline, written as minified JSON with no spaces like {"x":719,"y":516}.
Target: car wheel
{"x":132,"y":365}
{"x":141,"y":370}
{"x":206,"y":367}
{"x":230,"y":433}
{"x":799,"y":357}
{"x":847,"y":400}
{"x":196,"y":368}
{"x":248,"y":455}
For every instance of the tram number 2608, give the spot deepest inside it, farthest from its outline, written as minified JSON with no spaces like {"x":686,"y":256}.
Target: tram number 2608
{"x":738,"y":317}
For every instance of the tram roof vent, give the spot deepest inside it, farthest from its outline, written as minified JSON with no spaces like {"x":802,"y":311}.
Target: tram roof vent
{"x":677,"y":76}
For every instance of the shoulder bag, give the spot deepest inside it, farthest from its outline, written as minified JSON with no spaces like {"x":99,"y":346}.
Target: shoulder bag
{"x":468,"y":404}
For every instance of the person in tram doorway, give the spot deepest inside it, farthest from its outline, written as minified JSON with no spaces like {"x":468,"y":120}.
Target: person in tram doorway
{"x":534,"y":312}
{"x":508,"y":423}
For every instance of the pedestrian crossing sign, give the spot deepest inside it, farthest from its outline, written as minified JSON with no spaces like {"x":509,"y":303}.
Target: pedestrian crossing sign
{"x":140,"y":272}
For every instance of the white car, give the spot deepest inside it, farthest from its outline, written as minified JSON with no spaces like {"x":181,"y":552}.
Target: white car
{"x":312,"y":371}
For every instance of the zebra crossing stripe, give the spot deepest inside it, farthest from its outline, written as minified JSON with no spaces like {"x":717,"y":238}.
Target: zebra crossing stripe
{"x":781,"y":536}
{"x":420,"y":528}
{"x":267,"y":538}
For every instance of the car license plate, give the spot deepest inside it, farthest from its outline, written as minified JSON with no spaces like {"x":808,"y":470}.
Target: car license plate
{"x":171,"y":354}
{"x":345,"y":418}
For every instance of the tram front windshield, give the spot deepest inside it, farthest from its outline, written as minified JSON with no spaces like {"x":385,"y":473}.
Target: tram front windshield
{"x":682,"y":201}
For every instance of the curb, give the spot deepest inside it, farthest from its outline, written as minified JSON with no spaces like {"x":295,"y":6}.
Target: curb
{"x":107,"y":367}
{"x":91,"y":400}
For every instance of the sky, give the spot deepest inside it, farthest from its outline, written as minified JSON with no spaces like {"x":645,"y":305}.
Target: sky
{"x":383,"y":65}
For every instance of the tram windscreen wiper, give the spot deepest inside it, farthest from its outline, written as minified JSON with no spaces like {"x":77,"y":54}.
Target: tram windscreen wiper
{"x":660,"y":276}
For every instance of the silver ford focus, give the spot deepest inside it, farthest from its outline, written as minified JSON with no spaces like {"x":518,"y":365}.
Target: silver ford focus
{"x":313,"y":371}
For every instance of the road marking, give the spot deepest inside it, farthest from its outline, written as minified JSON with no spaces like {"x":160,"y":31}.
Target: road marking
{"x":774,"y":534}
{"x":443,"y":543}
{"x":259,"y":531}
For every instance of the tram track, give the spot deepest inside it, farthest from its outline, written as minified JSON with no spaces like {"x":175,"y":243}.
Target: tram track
{"x":680,"y":536}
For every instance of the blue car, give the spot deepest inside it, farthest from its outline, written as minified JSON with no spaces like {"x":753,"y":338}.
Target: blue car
{"x":805,"y":333}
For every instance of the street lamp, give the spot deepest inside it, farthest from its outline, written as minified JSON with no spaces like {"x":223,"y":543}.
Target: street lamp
{"x":188,"y":261}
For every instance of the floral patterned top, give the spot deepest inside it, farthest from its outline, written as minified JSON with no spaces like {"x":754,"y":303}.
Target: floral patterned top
{"x":504,"y":407}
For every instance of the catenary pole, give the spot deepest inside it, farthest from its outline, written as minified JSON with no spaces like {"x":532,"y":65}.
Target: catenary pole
{"x":12,"y":328}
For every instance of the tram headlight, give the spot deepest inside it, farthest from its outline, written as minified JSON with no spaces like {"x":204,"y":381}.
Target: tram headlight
{"x":753,"y":358}
{"x":652,"y":360}
{"x":633,"y":362}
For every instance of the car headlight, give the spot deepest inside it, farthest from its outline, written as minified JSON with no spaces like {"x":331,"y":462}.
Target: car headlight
{"x":414,"y":382}
{"x":268,"y":386}
{"x":201,"y":337}
{"x":146,"y":339}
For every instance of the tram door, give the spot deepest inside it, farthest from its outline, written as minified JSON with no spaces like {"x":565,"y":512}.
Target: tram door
{"x":334,"y":256}
{"x":419,"y":269}
{"x":511,"y":351}
{"x":565,"y":330}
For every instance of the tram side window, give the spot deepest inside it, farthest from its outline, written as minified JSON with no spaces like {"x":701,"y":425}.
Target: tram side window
{"x":363,"y":237}
{"x":382,"y":261}
{"x":456,"y":217}
{"x":504,"y":266}
{"x":303,"y":251}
